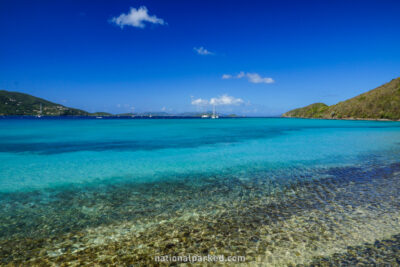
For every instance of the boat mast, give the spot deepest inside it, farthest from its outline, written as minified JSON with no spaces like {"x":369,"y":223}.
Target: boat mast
{"x":214,"y":110}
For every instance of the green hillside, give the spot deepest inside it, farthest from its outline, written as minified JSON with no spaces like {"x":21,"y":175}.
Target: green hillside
{"x":14,"y":103}
{"x":315,"y":110}
{"x":380,"y":103}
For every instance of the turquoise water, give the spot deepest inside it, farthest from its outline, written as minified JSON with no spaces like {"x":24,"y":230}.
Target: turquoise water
{"x":45,"y":153}
{"x":63,"y":178}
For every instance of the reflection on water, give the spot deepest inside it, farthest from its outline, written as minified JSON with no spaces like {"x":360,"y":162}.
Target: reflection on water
{"x":322,"y":216}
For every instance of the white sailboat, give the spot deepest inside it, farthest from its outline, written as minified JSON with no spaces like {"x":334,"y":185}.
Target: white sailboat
{"x":214,"y":115}
{"x":40,"y":112}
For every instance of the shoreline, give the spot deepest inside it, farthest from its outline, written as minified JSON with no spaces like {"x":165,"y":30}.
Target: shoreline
{"x":183,"y":117}
{"x":108,"y":117}
{"x":344,"y":119}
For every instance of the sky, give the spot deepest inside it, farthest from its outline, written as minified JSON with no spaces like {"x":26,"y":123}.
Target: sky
{"x":255,"y":58}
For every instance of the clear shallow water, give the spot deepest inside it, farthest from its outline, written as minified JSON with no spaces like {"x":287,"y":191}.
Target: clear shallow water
{"x":149,"y":183}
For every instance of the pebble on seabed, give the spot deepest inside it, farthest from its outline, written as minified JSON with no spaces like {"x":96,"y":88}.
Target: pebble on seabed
{"x":129,"y":224}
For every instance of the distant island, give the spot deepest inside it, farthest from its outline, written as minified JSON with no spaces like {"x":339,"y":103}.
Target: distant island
{"x":21,"y":104}
{"x":382,"y":102}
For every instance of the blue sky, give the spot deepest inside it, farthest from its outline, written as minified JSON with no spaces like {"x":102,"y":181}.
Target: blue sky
{"x":173,"y":55}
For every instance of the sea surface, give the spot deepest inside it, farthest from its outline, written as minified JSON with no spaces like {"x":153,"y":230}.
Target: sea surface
{"x":124,"y":191}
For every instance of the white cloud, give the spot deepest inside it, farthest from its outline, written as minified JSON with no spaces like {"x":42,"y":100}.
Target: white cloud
{"x":229,"y":76}
{"x":251,"y":77}
{"x":226,"y":76}
{"x":136,"y":18}
{"x":199,"y":102}
{"x":240,"y":75}
{"x":202,"y":51}
{"x":256,"y":78}
{"x":226,"y":100}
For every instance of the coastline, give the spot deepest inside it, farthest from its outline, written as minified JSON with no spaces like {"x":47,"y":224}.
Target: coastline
{"x":345,"y":119}
{"x":184,"y":117}
{"x":119,"y":117}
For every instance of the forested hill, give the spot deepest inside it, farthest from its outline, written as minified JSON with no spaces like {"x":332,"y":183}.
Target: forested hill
{"x":382,"y":102}
{"x":14,"y":103}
